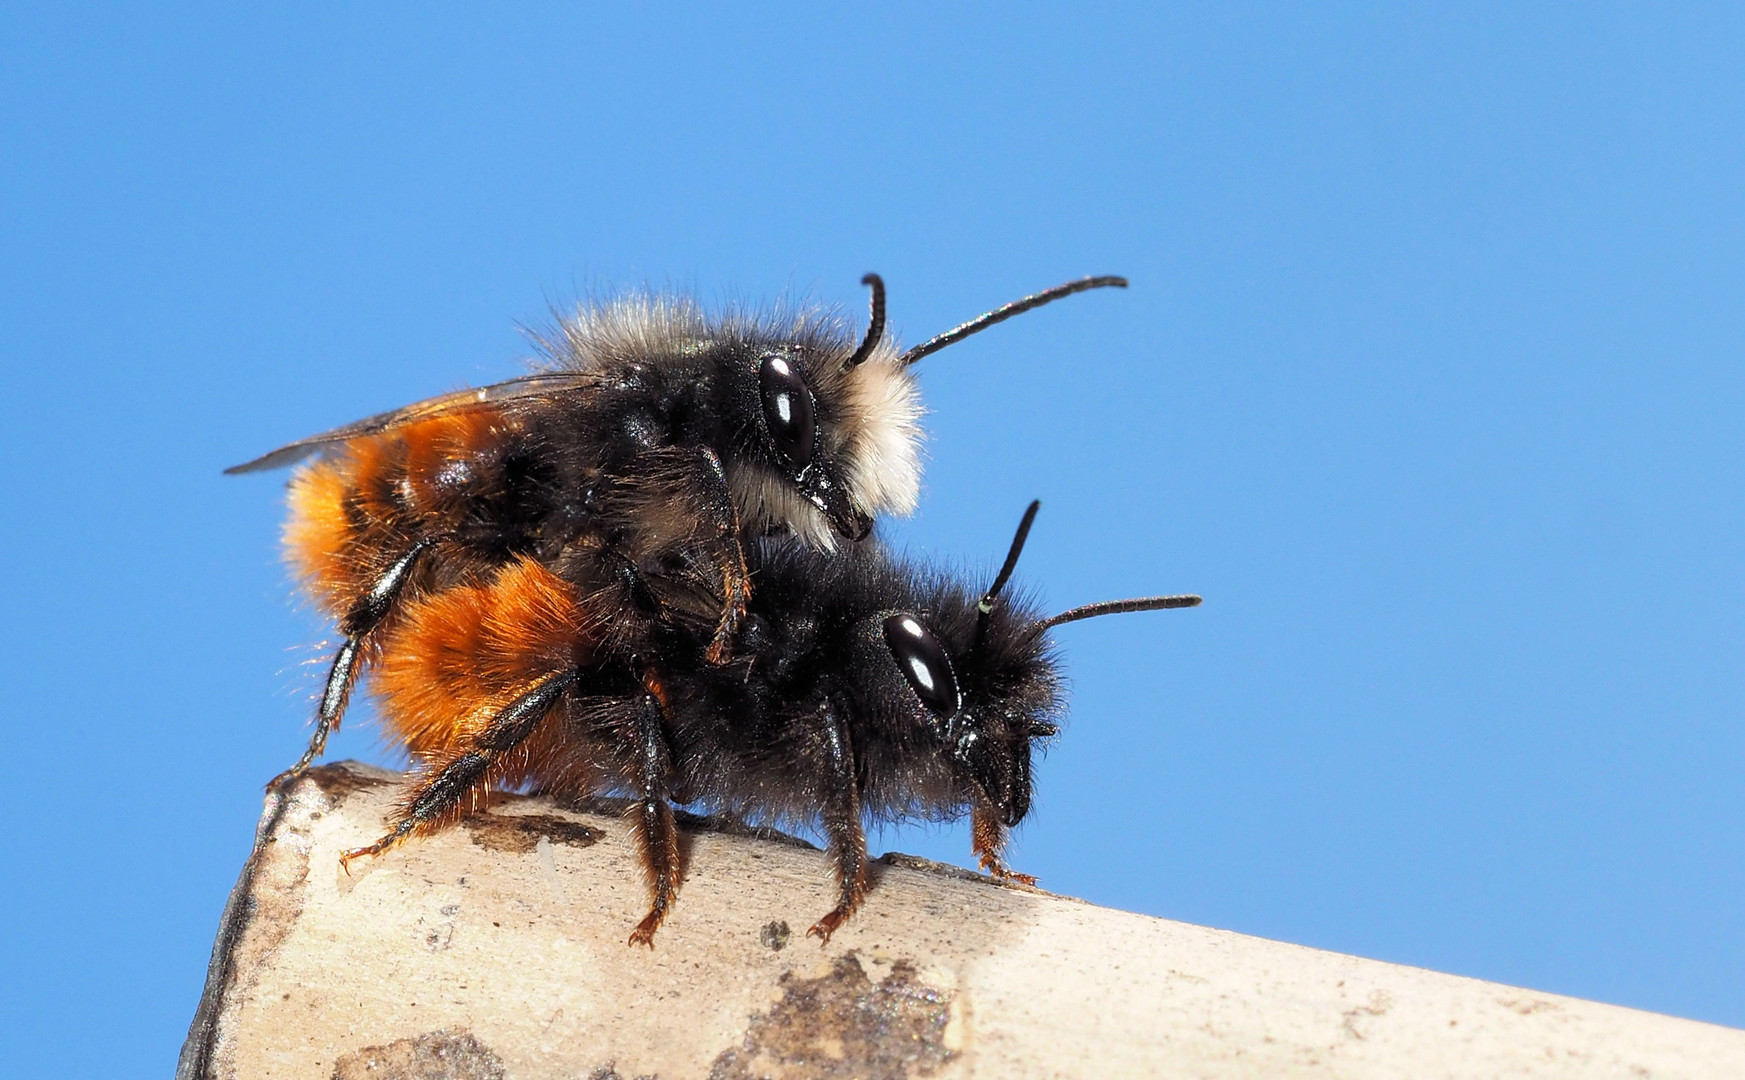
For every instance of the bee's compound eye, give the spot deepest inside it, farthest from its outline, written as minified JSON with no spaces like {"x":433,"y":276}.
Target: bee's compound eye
{"x":787,"y":410}
{"x":924,"y":662}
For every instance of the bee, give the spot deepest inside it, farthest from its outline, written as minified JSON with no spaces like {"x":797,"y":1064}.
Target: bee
{"x":651,"y":436}
{"x":861,"y":687}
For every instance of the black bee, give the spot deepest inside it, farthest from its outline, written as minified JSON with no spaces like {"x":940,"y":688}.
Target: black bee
{"x":654,"y":436}
{"x":860,"y":687}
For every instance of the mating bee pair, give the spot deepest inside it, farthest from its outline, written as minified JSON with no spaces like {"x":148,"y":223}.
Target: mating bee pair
{"x":645,"y":569}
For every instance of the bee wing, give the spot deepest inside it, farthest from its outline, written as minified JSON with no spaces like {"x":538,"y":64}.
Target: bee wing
{"x":545,"y":384}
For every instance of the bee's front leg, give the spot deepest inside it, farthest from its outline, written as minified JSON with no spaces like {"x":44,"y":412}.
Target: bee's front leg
{"x":988,"y":841}
{"x":680,"y":511}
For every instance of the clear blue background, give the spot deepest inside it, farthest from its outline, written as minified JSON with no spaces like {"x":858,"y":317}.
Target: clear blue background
{"x":1430,"y":380}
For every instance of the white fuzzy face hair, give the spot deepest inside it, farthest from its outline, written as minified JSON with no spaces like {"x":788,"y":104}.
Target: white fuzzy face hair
{"x":875,"y":441}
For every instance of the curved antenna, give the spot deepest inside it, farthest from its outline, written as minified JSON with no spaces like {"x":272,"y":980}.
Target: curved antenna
{"x":985,"y":606}
{"x":1006,"y":311}
{"x":986,"y":603}
{"x":1118,"y":607}
{"x":875,"y":327}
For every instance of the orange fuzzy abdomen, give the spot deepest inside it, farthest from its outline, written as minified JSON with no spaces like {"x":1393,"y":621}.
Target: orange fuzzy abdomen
{"x":458,"y":658}
{"x":354,"y":513}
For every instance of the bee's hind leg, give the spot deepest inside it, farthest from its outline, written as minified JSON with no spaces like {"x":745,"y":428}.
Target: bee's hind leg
{"x":442,"y":792}
{"x":359,"y":622}
{"x":652,"y":814}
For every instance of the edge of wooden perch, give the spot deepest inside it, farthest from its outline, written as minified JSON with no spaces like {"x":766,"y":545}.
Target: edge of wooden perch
{"x":496,"y":949}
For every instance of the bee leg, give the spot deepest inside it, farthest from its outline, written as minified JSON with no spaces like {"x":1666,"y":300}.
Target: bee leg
{"x":441,"y":793}
{"x":656,"y":832}
{"x":842,"y":826}
{"x":365,"y":615}
{"x":684,"y":507}
{"x":715,"y":507}
{"x":736,"y":587}
{"x":987,"y":840}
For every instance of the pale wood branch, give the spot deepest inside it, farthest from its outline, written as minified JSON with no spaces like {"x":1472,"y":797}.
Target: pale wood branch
{"x":498,"y":949}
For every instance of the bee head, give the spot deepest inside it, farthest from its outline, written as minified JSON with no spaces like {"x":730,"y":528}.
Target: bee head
{"x":827,"y":433}
{"x":972,"y":676}
{"x":982,"y":677}
{"x":975,"y":707}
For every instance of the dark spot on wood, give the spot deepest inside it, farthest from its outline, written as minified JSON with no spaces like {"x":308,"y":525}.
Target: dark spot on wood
{"x":338,"y":782}
{"x":734,"y":827}
{"x":928,"y":866}
{"x":519,"y":834}
{"x":606,"y":806}
{"x":841,"y":1026}
{"x":958,"y":873}
{"x":435,"y":1055}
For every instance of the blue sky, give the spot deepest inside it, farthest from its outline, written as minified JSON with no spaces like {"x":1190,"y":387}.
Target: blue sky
{"x":1429,"y":379}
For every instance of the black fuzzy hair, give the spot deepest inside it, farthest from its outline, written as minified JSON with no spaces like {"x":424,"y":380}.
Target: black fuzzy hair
{"x":807,"y":640}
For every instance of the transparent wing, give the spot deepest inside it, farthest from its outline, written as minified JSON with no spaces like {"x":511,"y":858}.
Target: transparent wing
{"x":527,"y":386}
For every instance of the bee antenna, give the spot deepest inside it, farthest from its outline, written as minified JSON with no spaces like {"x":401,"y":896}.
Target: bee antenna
{"x":1006,"y":311}
{"x":875,"y":327}
{"x":1118,"y":607}
{"x":985,"y":606}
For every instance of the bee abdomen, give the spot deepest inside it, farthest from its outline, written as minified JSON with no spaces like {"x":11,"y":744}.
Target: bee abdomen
{"x":472,"y":479}
{"x":458,"y":657}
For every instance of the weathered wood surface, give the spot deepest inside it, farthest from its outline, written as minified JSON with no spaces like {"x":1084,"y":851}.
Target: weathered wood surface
{"x":497,"y":949}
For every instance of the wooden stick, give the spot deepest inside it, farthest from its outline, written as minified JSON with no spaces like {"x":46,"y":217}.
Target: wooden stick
{"x":496,"y":949}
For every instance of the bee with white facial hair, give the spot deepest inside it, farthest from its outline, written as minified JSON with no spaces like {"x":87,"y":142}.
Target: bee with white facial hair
{"x":652,"y":437}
